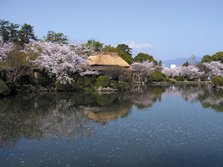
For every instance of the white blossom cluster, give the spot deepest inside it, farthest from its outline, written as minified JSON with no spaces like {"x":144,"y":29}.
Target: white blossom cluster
{"x":185,"y":71}
{"x":61,"y":60}
{"x":215,"y":67}
{"x":145,"y":67}
{"x":171,"y":72}
{"x":4,"y":49}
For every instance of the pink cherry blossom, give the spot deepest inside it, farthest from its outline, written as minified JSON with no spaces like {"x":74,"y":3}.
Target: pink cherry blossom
{"x":215,"y":68}
{"x":5,"y":48}
{"x":60,"y":60}
{"x":145,"y":67}
{"x":190,"y":72}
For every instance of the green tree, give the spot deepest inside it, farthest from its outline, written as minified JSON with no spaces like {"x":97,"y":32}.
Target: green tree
{"x":4,"y":30}
{"x":26,"y":34}
{"x":128,"y":58}
{"x":125,"y":48}
{"x":96,"y":45}
{"x":218,"y":56}
{"x":109,"y":48}
{"x":56,"y":37}
{"x":13,"y":31}
{"x":186,"y":64}
{"x":141,"y":57}
{"x":215,"y":57}
{"x":206,"y":58}
{"x":8,"y":31}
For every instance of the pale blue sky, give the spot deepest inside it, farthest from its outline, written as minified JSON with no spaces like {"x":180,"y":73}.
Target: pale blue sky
{"x":167,"y":29}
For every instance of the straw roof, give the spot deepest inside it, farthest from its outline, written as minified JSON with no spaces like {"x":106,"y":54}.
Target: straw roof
{"x":107,"y":59}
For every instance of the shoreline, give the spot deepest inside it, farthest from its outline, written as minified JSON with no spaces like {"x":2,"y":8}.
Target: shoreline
{"x":134,"y":88}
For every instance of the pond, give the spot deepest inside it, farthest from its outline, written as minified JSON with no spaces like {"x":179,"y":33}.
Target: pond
{"x":174,"y":126}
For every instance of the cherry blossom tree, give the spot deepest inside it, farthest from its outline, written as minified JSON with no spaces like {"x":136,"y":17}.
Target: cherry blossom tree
{"x":215,"y":68}
{"x":61,"y":60}
{"x":5,"y":48}
{"x":171,"y":72}
{"x":145,"y":67}
{"x":190,"y":72}
{"x":13,"y":60}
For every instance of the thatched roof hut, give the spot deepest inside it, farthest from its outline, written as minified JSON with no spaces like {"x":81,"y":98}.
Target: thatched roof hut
{"x":107,"y":59}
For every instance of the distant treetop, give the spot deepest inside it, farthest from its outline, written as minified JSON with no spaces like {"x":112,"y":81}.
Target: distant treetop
{"x":215,"y":57}
{"x":141,"y":57}
{"x":56,"y":37}
{"x":96,"y":45}
{"x":10,"y":32}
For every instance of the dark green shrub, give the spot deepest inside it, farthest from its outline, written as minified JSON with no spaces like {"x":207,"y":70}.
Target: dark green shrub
{"x":64,"y":87}
{"x":170,"y":80}
{"x":180,"y":78}
{"x":24,"y":79}
{"x":157,"y":76}
{"x":4,"y":90}
{"x":80,"y":83}
{"x":218,"y":81}
{"x":113,"y":84}
{"x":123,"y":86}
{"x":88,"y":90}
{"x":43,"y":81}
{"x":102,"y":81}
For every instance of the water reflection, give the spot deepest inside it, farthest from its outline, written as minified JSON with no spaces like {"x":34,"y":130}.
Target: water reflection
{"x":69,"y":115}
{"x":40,"y":117}
{"x":148,"y":98}
{"x":213,"y":100}
{"x":208,"y":97}
{"x":56,"y":115}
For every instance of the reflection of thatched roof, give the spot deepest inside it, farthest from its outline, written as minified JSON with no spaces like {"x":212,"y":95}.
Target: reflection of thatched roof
{"x":103,"y":115}
{"x":107,"y":59}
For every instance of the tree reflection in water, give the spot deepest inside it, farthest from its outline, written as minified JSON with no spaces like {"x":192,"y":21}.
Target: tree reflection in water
{"x":207,"y":96}
{"x":68,"y":114}
{"x":40,"y":117}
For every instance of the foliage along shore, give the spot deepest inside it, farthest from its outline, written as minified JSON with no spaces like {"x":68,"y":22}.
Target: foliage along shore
{"x":29,"y":64}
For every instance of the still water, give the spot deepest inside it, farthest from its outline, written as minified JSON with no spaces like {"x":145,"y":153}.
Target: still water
{"x":176,"y":126}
